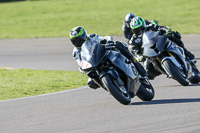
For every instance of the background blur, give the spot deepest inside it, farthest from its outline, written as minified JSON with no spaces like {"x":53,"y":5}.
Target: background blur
{"x":55,"y":18}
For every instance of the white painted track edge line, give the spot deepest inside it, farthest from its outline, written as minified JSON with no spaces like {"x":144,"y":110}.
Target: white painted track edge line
{"x":75,"y":89}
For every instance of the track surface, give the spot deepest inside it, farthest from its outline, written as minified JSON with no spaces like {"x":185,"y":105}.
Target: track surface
{"x":175,"y":109}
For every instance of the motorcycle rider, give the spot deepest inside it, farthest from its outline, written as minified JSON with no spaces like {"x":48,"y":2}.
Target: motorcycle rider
{"x":138,"y":27}
{"x":126,"y":25}
{"x":78,"y":36}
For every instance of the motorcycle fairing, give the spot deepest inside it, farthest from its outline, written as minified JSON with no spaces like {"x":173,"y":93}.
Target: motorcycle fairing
{"x":174,"y":48}
{"x":153,"y":43}
{"x":92,"y":53}
{"x":123,"y":64}
{"x":175,"y":62}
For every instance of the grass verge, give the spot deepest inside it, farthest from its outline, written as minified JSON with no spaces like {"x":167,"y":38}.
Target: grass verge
{"x":54,"y":18}
{"x":26,"y":82}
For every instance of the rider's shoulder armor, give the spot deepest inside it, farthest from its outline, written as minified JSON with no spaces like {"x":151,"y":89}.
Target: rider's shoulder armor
{"x":92,"y":35}
{"x":77,"y":55}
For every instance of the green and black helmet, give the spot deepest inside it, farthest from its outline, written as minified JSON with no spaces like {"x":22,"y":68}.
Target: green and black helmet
{"x":78,"y":36}
{"x":138,"y":25}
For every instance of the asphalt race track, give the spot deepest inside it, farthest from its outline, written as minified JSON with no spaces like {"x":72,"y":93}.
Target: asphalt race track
{"x":174,"y":109}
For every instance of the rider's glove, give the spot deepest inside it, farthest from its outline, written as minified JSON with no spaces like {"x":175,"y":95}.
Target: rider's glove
{"x":166,"y":30}
{"x":169,"y":32}
{"x":154,"y":22}
{"x":110,"y":45}
{"x":177,"y":34}
{"x":104,"y":41}
{"x":139,"y":58}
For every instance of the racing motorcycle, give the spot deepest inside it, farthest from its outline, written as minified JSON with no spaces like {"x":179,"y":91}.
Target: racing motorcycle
{"x":169,"y":59}
{"x":112,"y":71}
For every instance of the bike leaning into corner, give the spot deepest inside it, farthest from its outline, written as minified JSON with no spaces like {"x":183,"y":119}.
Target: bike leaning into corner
{"x":115,"y":73}
{"x":168,"y":58}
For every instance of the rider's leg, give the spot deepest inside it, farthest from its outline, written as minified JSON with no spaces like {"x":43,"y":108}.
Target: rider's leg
{"x":175,"y":37}
{"x":92,"y":84}
{"x":124,"y":50}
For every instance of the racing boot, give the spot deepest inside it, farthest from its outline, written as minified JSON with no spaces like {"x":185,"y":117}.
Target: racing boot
{"x":188,"y":54}
{"x":176,"y":37}
{"x":92,"y":84}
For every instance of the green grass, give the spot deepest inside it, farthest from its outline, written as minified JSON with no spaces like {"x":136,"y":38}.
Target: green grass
{"x":25,"y":82}
{"x":54,"y":18}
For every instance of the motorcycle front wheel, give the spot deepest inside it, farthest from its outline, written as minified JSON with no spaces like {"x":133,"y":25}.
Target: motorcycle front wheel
{"x":121,"y":96}
{"x":146,"y":91}
{"x":175,"y":72}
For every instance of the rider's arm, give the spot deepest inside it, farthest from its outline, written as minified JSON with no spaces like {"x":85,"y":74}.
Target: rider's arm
{"x":154,"y":27}
{"x":151,"y":22}
{"x":135,"y":45}
{"x":147,"y":22}
{"x":77,"y":55}
{"x":127,"y":31}
{"x":99,"y":38}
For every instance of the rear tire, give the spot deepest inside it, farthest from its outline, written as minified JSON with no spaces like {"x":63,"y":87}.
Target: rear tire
{"x":196,"y":78}
{"x":175,"y":72}
{"x":115,"y":92}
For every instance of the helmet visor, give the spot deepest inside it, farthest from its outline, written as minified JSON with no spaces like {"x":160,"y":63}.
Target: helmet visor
{"x":77,"y":41}
{"x":137,"y":31}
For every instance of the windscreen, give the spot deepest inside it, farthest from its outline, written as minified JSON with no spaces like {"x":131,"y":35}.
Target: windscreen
{"x":87,"y":50}
{"x":150,"y":44}
{"x":149,"y":38}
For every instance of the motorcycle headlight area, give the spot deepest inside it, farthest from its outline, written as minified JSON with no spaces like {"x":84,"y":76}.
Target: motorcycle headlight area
{"x":85,"y":64}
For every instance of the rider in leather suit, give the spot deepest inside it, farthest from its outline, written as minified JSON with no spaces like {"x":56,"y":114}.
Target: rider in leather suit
{"x":78,"y":36}
{"x":138,"y":27}
{"x":126,"y":25}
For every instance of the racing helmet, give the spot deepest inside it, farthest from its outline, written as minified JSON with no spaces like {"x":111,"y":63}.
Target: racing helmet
{"x":138,"y":25}
{"x":128,"y":18}
{"x":78,"y":36}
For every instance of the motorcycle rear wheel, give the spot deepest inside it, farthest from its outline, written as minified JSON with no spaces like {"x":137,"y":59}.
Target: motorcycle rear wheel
{"x":175,"y":72}
{"x":196,"y":78}
{"x":115,"y":92}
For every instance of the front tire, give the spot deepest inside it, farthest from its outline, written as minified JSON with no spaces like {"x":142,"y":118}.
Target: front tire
{"x":115,"y":91}
{"x":175,"y":72}
{"x":146,"y":91}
